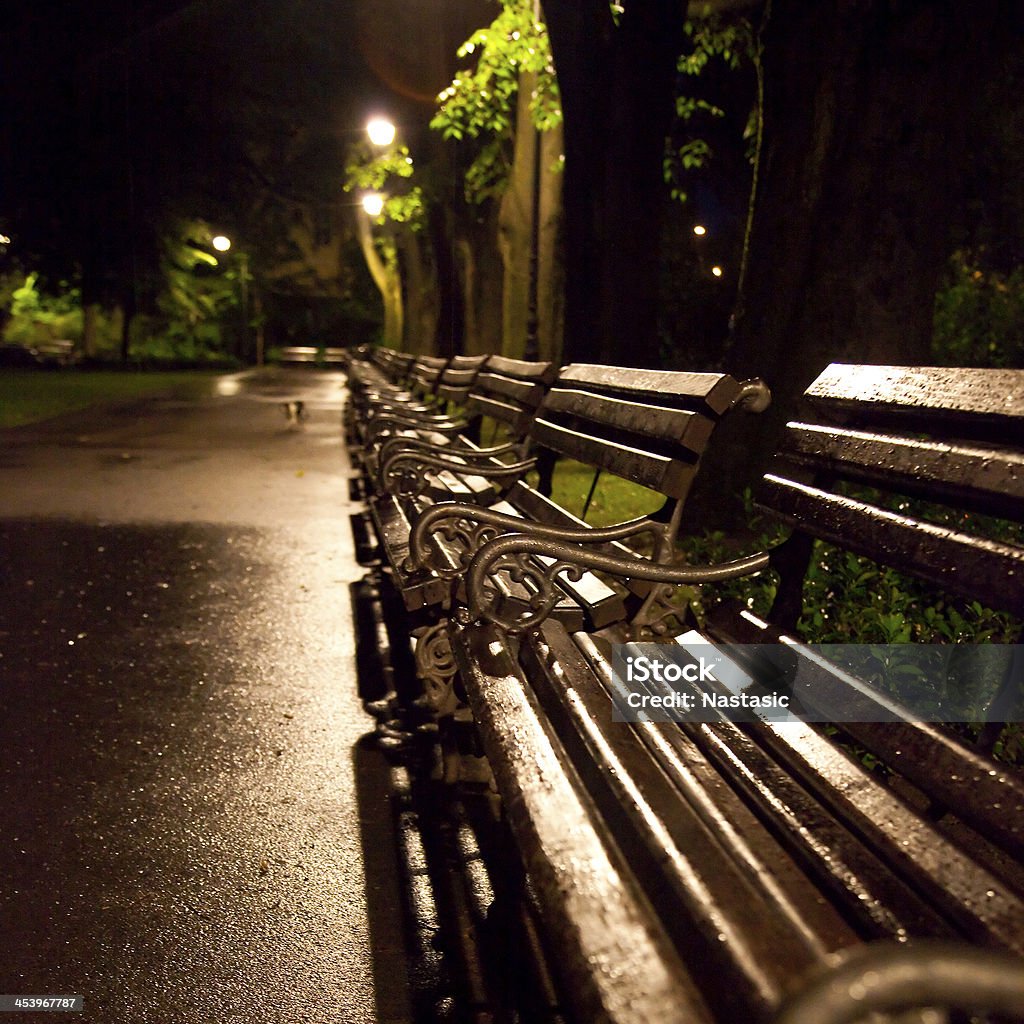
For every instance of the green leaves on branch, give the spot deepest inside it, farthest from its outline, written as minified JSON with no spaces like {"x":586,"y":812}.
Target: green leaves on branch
{"x":381,"y":172}
{"x":481,"y":101}
{"x":713,"y":37}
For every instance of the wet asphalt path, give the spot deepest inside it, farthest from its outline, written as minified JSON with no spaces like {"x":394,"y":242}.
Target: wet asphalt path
{"x":180,"y":834}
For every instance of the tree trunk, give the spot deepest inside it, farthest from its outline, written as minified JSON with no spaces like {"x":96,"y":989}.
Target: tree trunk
{"x":866,"y":110}
{"x":481,"y":273}
{"x":551,"y":255}
{"x":387,"y":279}
{"x":421,"y":297}
{"x":90,"y":324}
{"x":532,"y":170}
{"x":450,"y":326}
{"x":514,"y":231}
{"x":127,"y":316}
{"x":616,"y":87}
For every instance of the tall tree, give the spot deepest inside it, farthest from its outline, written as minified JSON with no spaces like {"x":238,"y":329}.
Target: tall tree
{"x":616,"y":67}
{"x":505,"y":113}
{"x":868,"y":106}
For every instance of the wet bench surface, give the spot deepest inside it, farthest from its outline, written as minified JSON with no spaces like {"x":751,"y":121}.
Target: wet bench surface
{"x":726,"y":865}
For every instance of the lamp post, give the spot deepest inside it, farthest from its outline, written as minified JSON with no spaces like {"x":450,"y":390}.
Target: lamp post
{"x":381,"y":131}
{"x":223,"y":244}
{"x":373,"y":203}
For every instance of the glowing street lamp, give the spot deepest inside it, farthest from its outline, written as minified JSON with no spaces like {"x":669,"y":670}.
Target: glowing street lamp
{"x":221,"y":243}
{"x":381,"y":131}
{"x":699,"y":229}
{"x":373,"y":204}
{"x":717,"y":271}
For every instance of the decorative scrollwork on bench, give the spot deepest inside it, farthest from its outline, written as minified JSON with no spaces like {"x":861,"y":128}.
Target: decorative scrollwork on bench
{"x":472,"y":529}
{"x":435,"y":666}
{"x":507,"y":555}
{"x":411,"y":443}
{"x":463,"y":534}
{"x":405,"y":474}
{"x":387,"y":422}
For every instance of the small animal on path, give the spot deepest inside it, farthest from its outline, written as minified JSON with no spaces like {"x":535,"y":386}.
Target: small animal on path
{"x":295,"y":412}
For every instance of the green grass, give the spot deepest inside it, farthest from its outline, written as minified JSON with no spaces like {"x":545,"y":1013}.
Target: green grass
{"x":615,"y":500}
{"x":27,"y":396}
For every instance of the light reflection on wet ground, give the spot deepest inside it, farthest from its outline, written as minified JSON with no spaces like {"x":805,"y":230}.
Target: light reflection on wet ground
{"x":178,"y":716}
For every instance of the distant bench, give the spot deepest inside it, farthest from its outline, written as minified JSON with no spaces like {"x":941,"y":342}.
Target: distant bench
{"x":715,"y":871}
{"x":312,"y":355}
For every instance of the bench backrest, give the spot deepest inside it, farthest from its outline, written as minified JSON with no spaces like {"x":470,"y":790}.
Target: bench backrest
{"x":510,"y":391}
{"x":395,"y":365}
{"x":951,"y":439}
{"x":425,"y":373}
{"x":926,"y":452}
{"x":458,"y":378}
{"x":648,"y":426}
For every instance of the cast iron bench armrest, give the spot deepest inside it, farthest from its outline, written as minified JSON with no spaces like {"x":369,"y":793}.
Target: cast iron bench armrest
{"x":379,"y":422}
{"x":516,"y":554}
{"x":884,"y":976}
{"x":404,"y":473}
{"x":419,"y":444}
{"x":476,"y":526}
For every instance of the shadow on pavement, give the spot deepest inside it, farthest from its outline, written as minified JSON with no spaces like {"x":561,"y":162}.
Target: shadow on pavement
{"x":461,"y":942}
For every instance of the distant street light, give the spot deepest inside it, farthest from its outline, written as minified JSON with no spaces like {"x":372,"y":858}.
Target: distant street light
{"x":717,"y":271}
{"x":381,"y":131}
{"x":221,"y":243}
{"x":373,"y":204}
{"x":699,"y":229}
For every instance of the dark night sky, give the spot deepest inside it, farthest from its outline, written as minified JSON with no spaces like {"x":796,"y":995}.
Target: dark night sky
{"x":112,"y":112}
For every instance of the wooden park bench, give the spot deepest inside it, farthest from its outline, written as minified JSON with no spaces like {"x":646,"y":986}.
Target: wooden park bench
{"x":767,"y":869}
{"x":442,"y":418}
{"x":650,"y":425}
{"x":410,"y":468}
{"x":391,"y":383}
{"x":313,"y":355}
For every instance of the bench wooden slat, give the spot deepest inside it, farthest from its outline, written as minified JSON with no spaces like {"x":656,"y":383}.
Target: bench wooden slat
{"x":459,"y":376}
{"x":661,"y":473}
{"x":503,"y":412}
{"x":621,"y":965}
{"x":522,"y":369}
{"x":974,"y":567}
{"x":985,"y":480}
{"x":665,"y":427}
{"x":974,"y":403}
{"x":983,"y":906}
{"x":709,"y":392}
{"x":988,"y":796}
{"x":860,"y":884}
{"x":523,"y":392}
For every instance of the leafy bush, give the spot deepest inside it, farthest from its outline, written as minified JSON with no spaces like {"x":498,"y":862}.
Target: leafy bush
{"x":37,"y":317}
{"x":979,"y":315}
{"x":848,"y":598}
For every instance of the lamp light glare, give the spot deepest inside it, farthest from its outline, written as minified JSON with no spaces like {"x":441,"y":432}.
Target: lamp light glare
{"x":699,"y":229}
{"x":373,"y":204}
{"x":381,"y":131}
{"x":221,"y":243}
{"x":717,"y":271}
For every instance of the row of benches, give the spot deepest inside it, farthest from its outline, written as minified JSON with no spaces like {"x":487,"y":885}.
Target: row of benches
{"x":724,"y":869}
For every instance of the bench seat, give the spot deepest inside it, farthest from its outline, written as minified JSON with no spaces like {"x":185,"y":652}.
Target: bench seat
{"x":766,"y":850}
